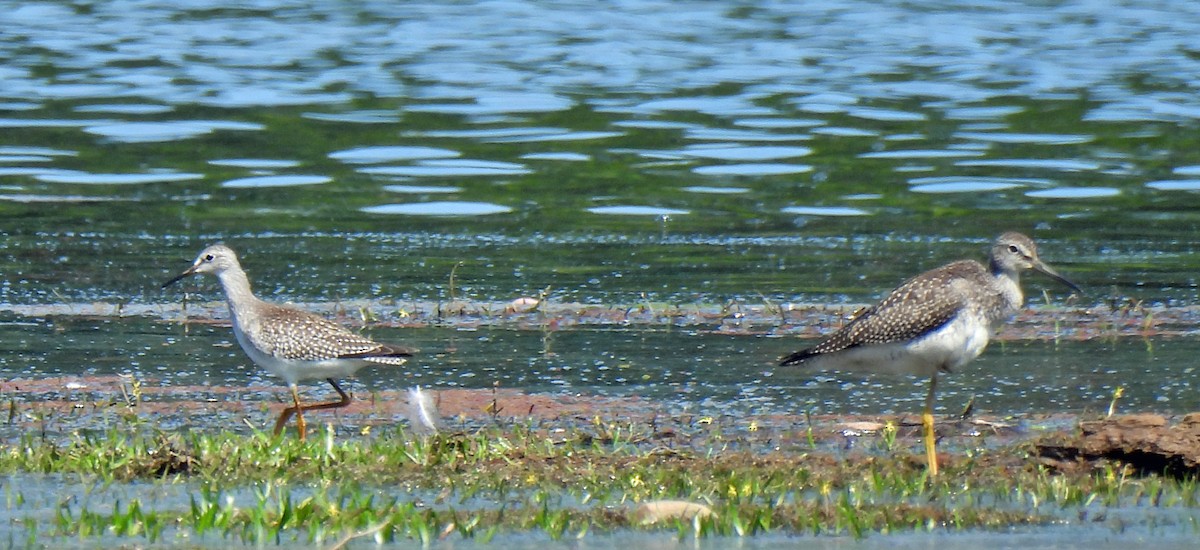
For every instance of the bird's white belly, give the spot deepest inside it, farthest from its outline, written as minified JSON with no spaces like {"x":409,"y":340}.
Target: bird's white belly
{"x":956,"y":344}
{"x":948,"y":348}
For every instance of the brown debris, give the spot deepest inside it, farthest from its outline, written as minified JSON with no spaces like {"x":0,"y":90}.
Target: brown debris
{"x":1146,"y":442}
{"x":656,"y":511}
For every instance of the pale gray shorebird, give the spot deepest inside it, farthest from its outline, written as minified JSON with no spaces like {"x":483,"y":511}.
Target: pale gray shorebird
{"x":291,"y":343}
{"x":934,"y":323}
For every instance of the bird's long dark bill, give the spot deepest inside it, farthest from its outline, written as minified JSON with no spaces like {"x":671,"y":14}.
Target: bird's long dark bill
{"x":176,"y":278}
{"x":1043,"y":268}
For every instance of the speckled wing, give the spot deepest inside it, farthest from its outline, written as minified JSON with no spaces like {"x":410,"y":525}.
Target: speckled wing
{"x":297,"y":335}
{"x":919,"y":306}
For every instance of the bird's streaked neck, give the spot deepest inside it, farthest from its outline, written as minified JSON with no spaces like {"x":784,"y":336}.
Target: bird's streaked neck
{"x":237,"y":290}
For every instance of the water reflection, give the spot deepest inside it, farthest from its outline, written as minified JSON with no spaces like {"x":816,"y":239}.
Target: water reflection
{"x":421,"y":189}
{"x":1065,"y":165}
{"x":124,"y":108}
{"x":80,"y":178}
{"x":50,"y":123}
{"x":966,"y":184}
{"x":486,"y":101}
{"x":920,"y":154}
{"x":1012,"y":137}
{"x":144,"y":132}
{"x":35,"y":171}
{"x":730,"y":106}
{"x":555,"y":137}
{"x":449,"y":168}
{"x":983,"y":113}
{"x":885,"y":115}
{"x":378,"y":154}
{"x":1074,"y":193}
{"x":777,"y":123}
{"x":744,"y":153}
{"x":10,"y":151}
{"x":36,"y":198}
{"x":963,"y":186}
{"x":753,"y":169}
{"x":564,"y":156}
{"x":952,"y":121}
{"x":824,"y":211}
{"x":727,"y":134}
{"x":357,"y":117}
{"x":1175,"y":185}
{"x":637,"y":211}
{"x":716,"y":190}
{"x":439,"y":208}
{"x":843,"y":131}
{"x":275,"y":181}
{"x":262,"y":164}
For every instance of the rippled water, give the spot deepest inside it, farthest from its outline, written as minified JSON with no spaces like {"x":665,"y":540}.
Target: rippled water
{"x":681,"y":370}
{"x":764,"y":152}
{"x":896,"y":135}
{"x":713,"y":153}
{"x":695,"y":152}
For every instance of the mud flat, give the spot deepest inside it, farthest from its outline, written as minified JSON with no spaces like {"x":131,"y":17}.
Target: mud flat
{"x":1149,"y":443}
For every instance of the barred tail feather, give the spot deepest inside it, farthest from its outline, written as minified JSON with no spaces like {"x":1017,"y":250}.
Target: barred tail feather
{"x":385,"y":354}
{"x":386,"y":360}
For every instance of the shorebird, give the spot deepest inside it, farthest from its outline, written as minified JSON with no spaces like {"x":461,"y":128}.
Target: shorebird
{"x":291,"y":343}
{"x":934,"y":323}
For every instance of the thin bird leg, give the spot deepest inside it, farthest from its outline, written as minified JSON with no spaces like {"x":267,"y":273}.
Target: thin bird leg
{"x":299,"y":409}
{"x":344,"y":401}
{"x":927,"y":421}
{"x":287,"y":413}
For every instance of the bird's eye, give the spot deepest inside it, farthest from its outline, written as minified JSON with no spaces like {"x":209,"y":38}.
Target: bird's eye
{"x":208,"y":257}
{"x":1013,"y":248}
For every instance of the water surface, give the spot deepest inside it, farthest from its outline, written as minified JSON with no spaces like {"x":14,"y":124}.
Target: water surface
{"x":651,"y":154}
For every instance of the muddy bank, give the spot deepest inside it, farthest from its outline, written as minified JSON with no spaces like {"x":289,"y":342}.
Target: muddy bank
{"x":1149,"y":443}
{"x":65,"y":408}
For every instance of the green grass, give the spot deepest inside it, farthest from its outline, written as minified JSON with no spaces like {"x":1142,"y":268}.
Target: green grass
{"x":260,"y":489}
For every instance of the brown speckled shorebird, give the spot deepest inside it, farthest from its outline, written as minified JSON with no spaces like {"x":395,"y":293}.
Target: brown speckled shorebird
{"x":291,"y":343}
{"x":933,"y":323}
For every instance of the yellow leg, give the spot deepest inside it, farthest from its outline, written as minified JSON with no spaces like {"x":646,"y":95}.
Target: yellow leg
{"x":298,"y":409}
{"x":927,"y":422}
{"x":301,"y":425}
{"x":287,"y":413}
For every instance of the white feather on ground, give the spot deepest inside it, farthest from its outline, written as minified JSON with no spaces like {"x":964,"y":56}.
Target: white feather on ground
{"x":422,"y":412}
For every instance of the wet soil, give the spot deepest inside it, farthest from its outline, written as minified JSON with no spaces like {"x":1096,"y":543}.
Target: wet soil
{"x":1150,"y":443}
{"x":64,"y":406}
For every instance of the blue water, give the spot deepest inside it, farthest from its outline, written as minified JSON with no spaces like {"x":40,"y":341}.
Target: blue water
{"x":671,"y":155}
